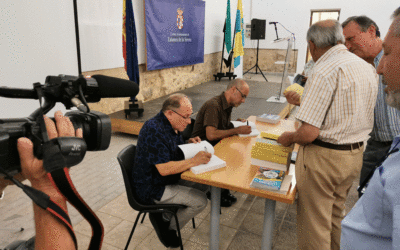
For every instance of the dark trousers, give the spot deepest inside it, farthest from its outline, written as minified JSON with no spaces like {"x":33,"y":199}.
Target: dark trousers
{"x":373,"y":153}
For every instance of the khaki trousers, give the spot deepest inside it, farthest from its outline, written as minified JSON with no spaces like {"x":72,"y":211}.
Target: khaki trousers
{"x":324,"y":177}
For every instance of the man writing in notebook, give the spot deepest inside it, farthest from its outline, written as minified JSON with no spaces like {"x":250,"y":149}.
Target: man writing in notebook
{"x":337,"y":115}
{"x":159,"y":164}
{"x":363,"y":39}
{"x":213,"y":122}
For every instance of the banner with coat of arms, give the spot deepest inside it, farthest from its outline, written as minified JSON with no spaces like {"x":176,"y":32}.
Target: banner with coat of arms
{"x":174,"y":33}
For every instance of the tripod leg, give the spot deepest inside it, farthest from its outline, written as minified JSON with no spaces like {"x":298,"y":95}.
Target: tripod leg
{"x":262,"y":73}
{"x":250,"y":69}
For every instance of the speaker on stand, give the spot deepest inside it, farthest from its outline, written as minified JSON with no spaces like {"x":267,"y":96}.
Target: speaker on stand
{"x":257,"y":33}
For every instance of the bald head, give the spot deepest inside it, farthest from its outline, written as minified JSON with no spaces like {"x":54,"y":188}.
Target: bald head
{"x":326,"y":33}
{"x":239,"y":83}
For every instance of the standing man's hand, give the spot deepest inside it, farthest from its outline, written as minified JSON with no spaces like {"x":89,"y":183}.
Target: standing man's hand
{"x":293,"y":98}
{"x":286,"y":139}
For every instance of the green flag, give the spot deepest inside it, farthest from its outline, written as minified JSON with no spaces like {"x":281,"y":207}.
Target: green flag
{"x":228,"y":32}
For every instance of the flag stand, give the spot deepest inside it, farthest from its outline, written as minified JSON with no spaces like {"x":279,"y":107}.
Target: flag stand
{"x":229,"y":74}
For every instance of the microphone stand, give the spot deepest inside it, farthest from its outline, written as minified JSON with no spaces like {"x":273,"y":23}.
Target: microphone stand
{"x":278,"y":98}
{"x":276,"y":31}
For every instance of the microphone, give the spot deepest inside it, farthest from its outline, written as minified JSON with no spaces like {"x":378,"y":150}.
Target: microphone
{"x":273,"y":23}
{"x":109,"y":87}
{"x":63,"y":88}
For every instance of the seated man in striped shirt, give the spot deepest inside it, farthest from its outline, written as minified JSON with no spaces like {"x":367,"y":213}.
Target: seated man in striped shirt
{"x":337,"y":114}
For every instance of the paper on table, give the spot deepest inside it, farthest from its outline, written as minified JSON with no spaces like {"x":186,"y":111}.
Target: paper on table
{"x":254,"y":130}
{"x":191,"y":149}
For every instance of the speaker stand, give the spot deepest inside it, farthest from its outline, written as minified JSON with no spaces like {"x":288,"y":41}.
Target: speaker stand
{"x":256,"y":66}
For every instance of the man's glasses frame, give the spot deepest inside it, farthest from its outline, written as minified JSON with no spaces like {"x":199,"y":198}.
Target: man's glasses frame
{"x":243,"y":95}
{"x":186,"y":118}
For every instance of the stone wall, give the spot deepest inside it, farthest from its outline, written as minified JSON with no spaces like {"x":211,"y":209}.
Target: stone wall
{"x":158,"y":83}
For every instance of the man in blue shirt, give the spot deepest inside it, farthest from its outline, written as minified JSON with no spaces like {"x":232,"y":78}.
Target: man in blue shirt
{"x":374,"y":222}
{"x":159,"y":163}
{"x":363,"y":39}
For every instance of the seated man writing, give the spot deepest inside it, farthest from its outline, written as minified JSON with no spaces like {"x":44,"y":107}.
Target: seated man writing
{"x":213,"y":122}
{"x":159,"y":163}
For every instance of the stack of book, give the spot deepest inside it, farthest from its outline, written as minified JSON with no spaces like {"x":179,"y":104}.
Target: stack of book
{"x":270,"y":154}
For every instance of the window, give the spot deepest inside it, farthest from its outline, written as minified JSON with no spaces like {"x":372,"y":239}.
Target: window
{"x":319,"y":15}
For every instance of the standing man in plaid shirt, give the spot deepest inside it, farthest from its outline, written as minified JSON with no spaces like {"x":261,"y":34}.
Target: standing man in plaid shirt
{"x":337,"y":114}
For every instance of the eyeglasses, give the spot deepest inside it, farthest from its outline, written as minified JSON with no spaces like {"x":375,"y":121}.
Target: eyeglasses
{"x":186,"y":118}
{"x":243,"y":95}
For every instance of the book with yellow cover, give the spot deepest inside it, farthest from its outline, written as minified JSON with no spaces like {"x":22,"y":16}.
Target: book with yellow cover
{"x":296,"y":88}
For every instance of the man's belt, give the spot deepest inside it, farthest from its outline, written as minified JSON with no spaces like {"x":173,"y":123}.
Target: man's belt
{"x":338,"y":147}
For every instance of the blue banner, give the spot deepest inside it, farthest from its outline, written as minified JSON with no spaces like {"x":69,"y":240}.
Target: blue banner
{"x":174,"y":33}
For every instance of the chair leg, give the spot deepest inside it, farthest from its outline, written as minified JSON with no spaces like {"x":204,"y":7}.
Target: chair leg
{"x":178,"y":229}
{"x":133,"y":229}
{"x":194,"y":225}
{"x":144,"y":215}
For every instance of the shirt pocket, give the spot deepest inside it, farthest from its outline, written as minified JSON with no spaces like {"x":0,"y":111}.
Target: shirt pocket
{"x":372,"y":201}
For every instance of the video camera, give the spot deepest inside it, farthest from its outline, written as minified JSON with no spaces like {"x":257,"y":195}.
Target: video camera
{"x":72,"y":91}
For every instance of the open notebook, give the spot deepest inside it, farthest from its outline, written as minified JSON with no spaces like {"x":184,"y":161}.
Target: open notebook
{"x":191,"y":149}
{"x":254,"y":130}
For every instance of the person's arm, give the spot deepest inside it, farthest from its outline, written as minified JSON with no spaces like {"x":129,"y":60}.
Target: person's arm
{"x":214,"y":134}
{"x":306,"y":134}
{"x":50,"y":232}
{"x":176,"y":167}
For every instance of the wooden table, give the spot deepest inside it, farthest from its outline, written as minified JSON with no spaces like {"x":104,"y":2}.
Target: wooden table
{"x":237,"y":176}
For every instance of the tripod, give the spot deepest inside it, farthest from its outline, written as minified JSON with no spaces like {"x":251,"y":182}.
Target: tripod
{"x":256,"y":66}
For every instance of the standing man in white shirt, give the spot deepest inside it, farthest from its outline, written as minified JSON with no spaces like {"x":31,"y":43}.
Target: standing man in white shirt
{"x":337,"y":115}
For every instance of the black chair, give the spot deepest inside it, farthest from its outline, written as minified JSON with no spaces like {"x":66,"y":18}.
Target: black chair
{"x":126,"y":160}
{"x":186,"y":134}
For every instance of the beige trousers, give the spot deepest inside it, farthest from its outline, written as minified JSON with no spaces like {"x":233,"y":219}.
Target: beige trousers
{"x":324,"y":177}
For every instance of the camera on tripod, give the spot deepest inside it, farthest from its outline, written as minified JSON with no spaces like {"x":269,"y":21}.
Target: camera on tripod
{"x":72,"y":91}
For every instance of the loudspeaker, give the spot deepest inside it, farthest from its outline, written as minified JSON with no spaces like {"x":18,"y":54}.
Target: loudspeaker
{"x":257,"y":29}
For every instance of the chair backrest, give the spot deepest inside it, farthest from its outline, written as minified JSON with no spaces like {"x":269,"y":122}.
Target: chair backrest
{"x":187,"y":133}
{"x":126,"y":159}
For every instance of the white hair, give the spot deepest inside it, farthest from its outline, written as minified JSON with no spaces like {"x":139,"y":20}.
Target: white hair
{"x":324,"y":36}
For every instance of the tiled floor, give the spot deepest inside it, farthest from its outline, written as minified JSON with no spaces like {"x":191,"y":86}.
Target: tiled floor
{"x":99,"y":181}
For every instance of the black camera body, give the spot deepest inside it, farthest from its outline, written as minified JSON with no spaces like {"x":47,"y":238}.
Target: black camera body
{"x":71,"y":91}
